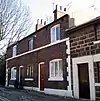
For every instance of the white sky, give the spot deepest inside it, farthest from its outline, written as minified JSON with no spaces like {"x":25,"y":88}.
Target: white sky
{"x":81,"y":10}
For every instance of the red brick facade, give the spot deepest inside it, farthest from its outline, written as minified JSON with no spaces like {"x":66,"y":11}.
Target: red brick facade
{"x":57,"y":51}
{"x":45,"y":55}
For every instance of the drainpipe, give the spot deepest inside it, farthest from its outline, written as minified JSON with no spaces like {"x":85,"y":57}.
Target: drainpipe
{"x":6,"y":84}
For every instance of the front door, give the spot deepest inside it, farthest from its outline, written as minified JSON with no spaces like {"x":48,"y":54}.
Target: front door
{"x":83,"y":74}
{"x":21,"y":75}
{"x":42,"y":76}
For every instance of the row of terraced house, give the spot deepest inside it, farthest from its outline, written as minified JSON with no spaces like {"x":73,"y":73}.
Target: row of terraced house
{"x":58,"y":58}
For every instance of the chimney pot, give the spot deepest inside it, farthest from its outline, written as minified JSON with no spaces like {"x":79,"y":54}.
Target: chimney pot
{"x":64,"y":9}
{"x":44,"y":22}
{"x":60,"y":7}
{"x":37,"y":21}
{"x":71,"y":22}
{"x":56,"y":7}
{"x":41,"y":21}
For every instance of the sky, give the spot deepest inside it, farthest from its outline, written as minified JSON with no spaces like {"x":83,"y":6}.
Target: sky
{"x":81,"y":10}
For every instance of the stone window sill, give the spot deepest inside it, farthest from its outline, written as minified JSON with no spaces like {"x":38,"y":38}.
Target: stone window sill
{"x":97,"y":84}
{"x":28,"y":79}
{"x":55,"y":79}
{"x":97,"y":42}
{"x":13,"y":79}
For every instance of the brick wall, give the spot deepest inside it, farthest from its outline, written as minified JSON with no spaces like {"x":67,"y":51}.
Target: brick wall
{"x":82,"y":42}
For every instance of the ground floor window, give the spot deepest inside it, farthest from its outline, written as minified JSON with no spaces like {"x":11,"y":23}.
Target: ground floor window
{"x":55,"y":68}
{"x":13,"y":73}
{"x":29,"y":71}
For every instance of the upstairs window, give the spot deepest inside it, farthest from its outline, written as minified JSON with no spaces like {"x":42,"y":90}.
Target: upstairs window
{"x":29,"y":71}
{"x":55,"y":70}
{"x":55,"y":33}
{"x":30,"y":44}
{"x":14,"y":50}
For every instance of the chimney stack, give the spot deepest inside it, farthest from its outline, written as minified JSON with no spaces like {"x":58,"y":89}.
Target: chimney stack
{"x":59,"y":13}
{"x":44,"y":23}
{"x":71,"y":22}
{"x":60,"y":7}
{"x":40,"y":24}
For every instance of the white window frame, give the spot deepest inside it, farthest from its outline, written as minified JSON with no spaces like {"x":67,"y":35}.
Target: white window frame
{"x":14,"y":50}
{"x":58,"y":25}
{"x":29,"y":72}
{"x":55,"y":78}
{"x":13,"y":70}
{"x":30,"y":44}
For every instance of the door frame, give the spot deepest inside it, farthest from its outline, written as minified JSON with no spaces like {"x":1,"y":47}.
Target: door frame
{"x":82,"y":71}
{"x":19,"y":72}
{"x":39,"y":74}
{"x":80,"y":60}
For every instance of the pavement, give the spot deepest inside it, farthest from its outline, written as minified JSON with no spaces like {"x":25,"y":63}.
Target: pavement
{"x":11,"y":94}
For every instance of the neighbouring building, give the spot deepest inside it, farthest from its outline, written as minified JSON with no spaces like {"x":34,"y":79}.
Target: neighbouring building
{"x":85,"y":59}
{"x":41,"y":61}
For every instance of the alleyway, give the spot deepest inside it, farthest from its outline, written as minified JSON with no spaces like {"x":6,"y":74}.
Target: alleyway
{"x":9,"y":94}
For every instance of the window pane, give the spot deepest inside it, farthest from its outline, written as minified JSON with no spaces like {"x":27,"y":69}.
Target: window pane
{"x":57,"y":33}
{"x":13,"y":73}
{"x":14,"y":50}
{"x":32,"y":71}
{"x":30,"y":44}
{"x":52,"y":69}
{"x":52,"y":34}
{"x":60,"y":68}
{"x":27,"y":71}
{"x":56,"y":69}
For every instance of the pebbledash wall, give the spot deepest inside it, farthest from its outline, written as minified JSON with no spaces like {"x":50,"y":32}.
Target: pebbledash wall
{"x":44,"y":51}
{"x":85,"y":48}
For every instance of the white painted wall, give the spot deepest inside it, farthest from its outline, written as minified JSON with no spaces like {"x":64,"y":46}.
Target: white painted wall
{"x":58,"y":92}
